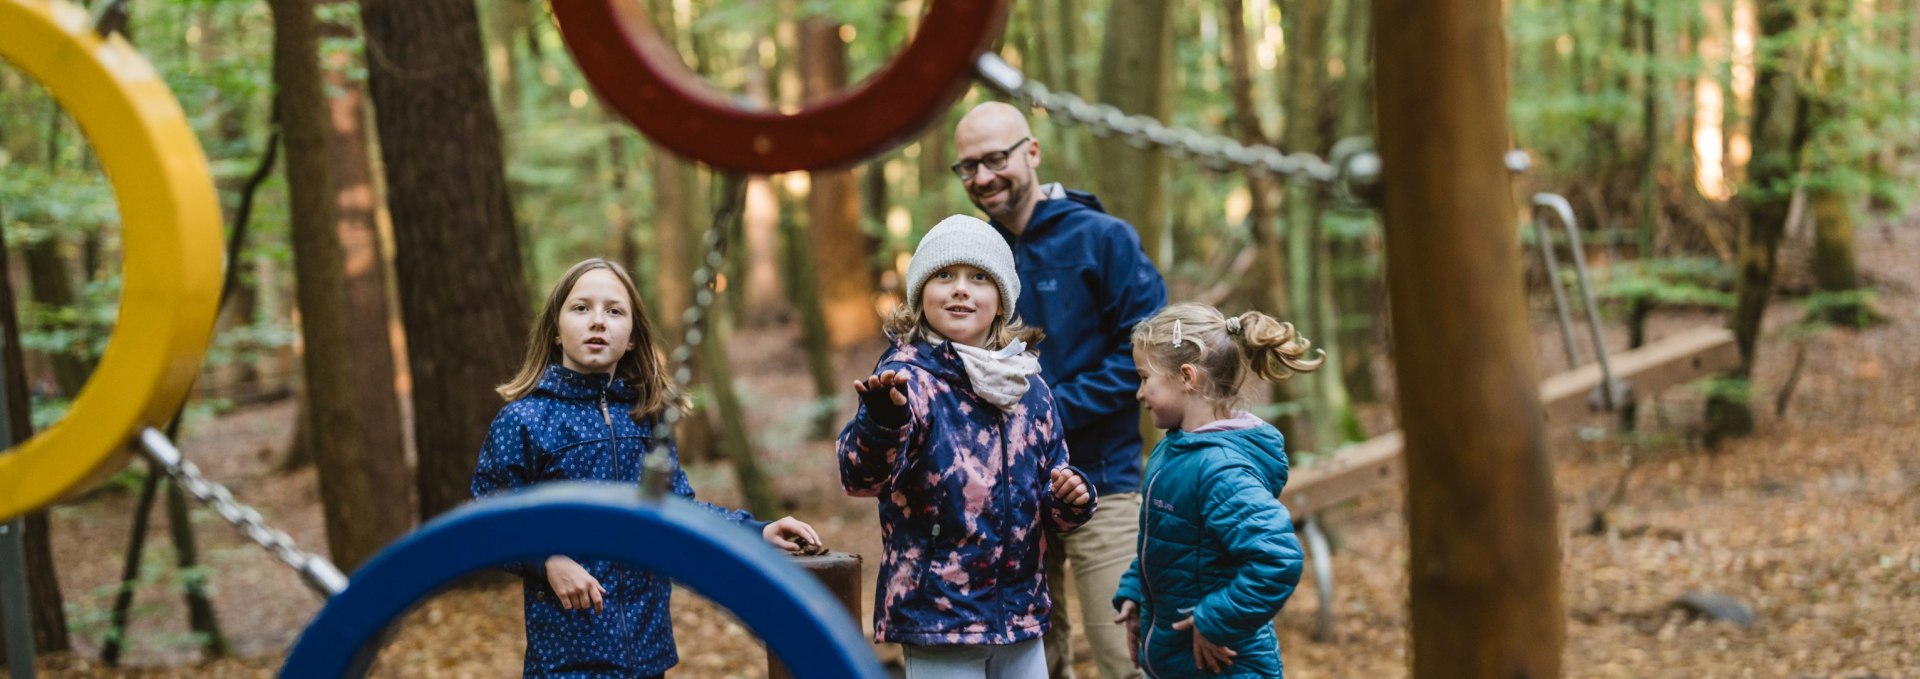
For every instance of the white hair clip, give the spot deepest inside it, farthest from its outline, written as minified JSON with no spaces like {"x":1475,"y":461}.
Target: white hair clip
{"x":1176,"y":333}
{"x":1233,"y":326}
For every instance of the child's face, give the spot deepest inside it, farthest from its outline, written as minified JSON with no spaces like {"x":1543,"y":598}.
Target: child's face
{"x":960,"y":302}
{"x":596,"y":323}
{"x":1161,"y":391}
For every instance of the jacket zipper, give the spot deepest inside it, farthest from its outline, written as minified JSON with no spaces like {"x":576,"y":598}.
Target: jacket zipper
{"x":1146,"y":533}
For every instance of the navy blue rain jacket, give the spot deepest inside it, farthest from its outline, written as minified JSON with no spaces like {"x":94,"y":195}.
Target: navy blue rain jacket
{"x":1085,"y":281}
{"x":576,"y":427}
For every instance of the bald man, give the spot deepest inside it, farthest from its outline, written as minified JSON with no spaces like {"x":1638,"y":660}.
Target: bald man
{"x":1088,"y":283}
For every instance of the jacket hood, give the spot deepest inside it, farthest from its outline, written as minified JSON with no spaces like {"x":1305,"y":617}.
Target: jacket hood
{"x":1050,"y":212}
{"x":1263,"y":446}
{"x":939,"y":359}
{"x":562,"y":382}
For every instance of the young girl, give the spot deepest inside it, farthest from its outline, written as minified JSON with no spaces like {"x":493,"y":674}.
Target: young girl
{"x":1217,"y":554}
{"x":959,"y":439}
{"x":583,"y":407}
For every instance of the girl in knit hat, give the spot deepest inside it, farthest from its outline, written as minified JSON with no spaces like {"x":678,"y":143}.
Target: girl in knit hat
{"x":958,"y":438}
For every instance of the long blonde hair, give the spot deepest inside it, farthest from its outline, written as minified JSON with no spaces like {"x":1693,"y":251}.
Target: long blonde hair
{"x":641,"y":366}
{"x":1224,"y":349}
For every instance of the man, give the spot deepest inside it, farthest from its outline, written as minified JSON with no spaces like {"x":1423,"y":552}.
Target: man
{"x":1090,"y":282}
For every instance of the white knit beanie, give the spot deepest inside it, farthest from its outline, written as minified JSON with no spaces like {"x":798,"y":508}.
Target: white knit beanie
{"x":964,"y":240}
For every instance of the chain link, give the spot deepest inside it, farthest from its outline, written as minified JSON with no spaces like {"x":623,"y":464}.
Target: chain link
{"x":1215,"y":151}
{"x":657,"y":470}
{"x":319,"y":573}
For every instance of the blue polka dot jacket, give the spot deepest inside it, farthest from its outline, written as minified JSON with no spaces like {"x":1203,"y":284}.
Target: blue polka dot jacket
{"x":576,"y":427}
{"x":963,"y":487}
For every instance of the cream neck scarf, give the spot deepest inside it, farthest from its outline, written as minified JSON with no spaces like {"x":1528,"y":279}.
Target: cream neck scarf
{"x":999,"y":377}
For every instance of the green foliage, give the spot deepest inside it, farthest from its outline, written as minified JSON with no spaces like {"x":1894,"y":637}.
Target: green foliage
{"x":1669,"y":282}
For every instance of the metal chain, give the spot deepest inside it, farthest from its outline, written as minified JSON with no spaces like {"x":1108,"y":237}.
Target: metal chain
{"x":1353,"y":163}
{"x":319,"y":573}
{"x":657,"y":470}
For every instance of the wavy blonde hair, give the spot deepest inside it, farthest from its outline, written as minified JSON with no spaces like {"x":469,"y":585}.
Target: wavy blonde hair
{"x":1224,"y":349}
{"x":641,"y":366}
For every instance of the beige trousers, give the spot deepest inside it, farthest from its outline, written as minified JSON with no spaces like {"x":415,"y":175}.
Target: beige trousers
{"x":1098,"y":553}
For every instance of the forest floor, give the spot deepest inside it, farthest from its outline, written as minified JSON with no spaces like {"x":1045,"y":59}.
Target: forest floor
{"x":1813,"y":523}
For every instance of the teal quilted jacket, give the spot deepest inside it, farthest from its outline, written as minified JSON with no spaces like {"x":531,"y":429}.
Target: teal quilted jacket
{"x":1215,"y":543}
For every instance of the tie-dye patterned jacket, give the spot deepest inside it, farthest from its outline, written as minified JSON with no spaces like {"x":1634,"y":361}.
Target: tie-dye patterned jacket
{"x":963,"y":487}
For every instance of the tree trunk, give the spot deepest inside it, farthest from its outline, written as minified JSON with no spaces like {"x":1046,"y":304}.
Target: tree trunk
{"x":1136,"y":67}
{"x":1833,"y":262}
{"x":676,"y":189}
{"x":43,"y":581}
{"x":802,"y":265}
{"x":369,"y":315}
{"x":1356,"y":270}
{"x":1308,"y":253}
{"x":1483,"y":566}
{"x":362,"y":490}
{"x":200,"y":615}
{"x":1269,"y":282}
{"x":833,"y":203}
{"x":463,"y":299}
{"x":1780,"y":131}
{"x":733,"y":419}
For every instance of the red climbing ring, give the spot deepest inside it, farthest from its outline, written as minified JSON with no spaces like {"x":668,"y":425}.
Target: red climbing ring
{"x":642,"y":77}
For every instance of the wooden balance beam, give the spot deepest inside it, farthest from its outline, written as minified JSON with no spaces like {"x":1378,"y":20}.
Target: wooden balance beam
{"x":1376,"y":462}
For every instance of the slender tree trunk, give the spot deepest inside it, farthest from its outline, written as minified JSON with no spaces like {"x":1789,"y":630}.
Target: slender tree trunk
{"x":1649,"y":135}
{"x":1356,"y":271}
{"x":675,"y":190}
{"x":43,"y":581}
{"x":1780,"y":131}
{"x":453,"y":226}
{"x":1483,"y":569}
{"x":802,"y":265}
{"x":1833,"y":265}
{"x":764,"y":295}
{"x":1269,"y":282}
{"x":200,"y":615}
{"x":734,"y":437}
{"x":1136,"y":70}
{"x":362,"y":490}
{"x":833,"y":204}
{"x":1308,"y":255}
{"x":369,"y":315}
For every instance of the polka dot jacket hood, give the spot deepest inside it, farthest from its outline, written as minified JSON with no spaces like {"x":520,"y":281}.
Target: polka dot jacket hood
{"x":963,"y":488}
{"x":576,"y":427}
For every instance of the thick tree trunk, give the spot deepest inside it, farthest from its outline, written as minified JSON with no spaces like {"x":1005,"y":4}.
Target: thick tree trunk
{"x":1484,"y":570}
{"x":1780,"y":130}
{"x":369,"y":316}
{"x":454,"y":235}
{"x":833,"y":203}
{"x":362,"y":490}
{"x":1136,"y":66}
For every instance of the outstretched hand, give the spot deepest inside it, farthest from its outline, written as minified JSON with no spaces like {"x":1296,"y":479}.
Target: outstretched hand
{"x":1070,"y":488}
{"x":882,"y":395}
{"x":1207,"y":655}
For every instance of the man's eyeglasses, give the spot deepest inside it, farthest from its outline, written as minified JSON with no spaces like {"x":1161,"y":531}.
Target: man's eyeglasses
{"x":994,"y":162}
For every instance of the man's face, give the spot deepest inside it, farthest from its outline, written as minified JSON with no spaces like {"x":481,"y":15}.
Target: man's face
{"x":999,"y":193}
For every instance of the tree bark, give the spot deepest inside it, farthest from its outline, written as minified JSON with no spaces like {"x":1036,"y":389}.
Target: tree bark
{"x":1780,"y":132}
{"x":675,"y":189}
{"x":369,"y":313}
{"x":1136,"y":66}
{"x":833,"y":203}
{"x":1484,"y":555}
{"x":43,"y":580}
{"x":463,"y":298}
{"x":362,"y":490}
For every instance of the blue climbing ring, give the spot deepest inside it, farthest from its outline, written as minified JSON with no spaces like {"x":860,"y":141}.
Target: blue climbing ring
{"x":802,"y":624}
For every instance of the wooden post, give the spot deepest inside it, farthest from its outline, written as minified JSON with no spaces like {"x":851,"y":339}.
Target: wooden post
{"x":840,"y":572}
{"x":1484,"y":554}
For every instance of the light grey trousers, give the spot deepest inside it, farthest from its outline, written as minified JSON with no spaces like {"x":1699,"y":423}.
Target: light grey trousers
{"x":1024,"y":660}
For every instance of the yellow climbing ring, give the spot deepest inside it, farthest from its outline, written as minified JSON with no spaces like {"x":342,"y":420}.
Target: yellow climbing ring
{"x":170,"y":225}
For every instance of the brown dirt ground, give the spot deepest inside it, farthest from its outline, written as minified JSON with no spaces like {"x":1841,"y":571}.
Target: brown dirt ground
{"x":1814,"y":523}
